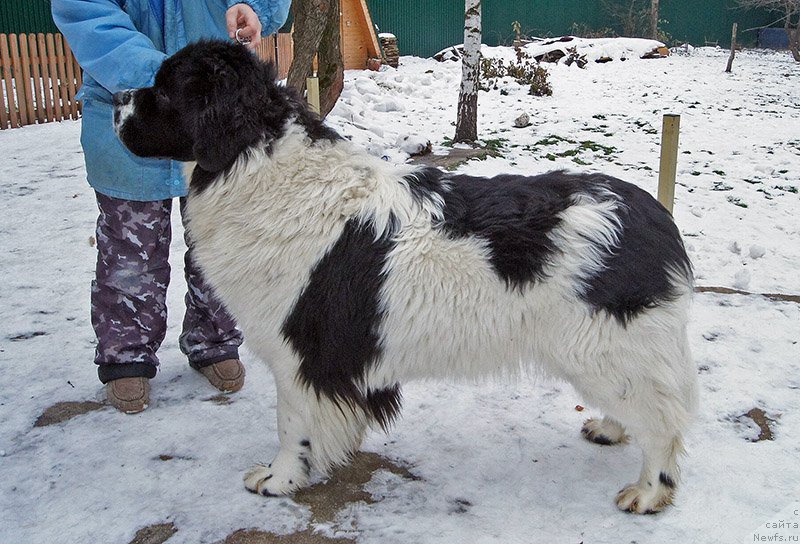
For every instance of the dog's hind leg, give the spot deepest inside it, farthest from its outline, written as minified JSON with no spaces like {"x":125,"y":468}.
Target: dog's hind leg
{"x":653,"y":398}
{"x":606,"y":431}
{"x":659,"y":477}
{"x":650,"y":418}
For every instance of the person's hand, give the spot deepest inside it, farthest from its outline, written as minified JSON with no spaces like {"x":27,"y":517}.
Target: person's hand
{"x":243,"y":25}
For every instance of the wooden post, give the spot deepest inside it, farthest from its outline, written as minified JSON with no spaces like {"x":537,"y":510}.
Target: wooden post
{"x":669,"y":160}
{"x":733,"y":48}
{"x":312,"y":85}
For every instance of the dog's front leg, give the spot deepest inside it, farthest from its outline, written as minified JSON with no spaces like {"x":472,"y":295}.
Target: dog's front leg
{"x":291,"y":468}
{"x":315,"y":431}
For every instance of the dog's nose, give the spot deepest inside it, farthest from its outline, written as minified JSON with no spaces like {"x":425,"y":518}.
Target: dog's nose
{"x":122,"y":98}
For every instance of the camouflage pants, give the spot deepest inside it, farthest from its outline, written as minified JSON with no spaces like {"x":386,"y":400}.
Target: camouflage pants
{"x":129,"y":294}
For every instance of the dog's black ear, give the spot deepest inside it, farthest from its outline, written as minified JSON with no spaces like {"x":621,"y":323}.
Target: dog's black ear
{"x":229,"y":121}
{"x":222,"y":134}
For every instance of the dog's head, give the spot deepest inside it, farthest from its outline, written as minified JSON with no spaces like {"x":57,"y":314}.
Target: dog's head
{"x":210,"y":102}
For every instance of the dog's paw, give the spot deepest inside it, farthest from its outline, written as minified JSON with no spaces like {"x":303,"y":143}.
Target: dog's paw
{"x":605,"y":432}
{"x":647,"y":499}
{"x":283,"y":476}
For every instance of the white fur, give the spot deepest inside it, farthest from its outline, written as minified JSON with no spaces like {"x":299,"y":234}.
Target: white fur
{"x":124,"y":112}
{"x":259,"y":233}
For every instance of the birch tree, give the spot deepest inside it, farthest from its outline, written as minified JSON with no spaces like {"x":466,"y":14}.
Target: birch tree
{"x":654,"y":19}
{"x":790,"y":11}
{"x":467,"y":117}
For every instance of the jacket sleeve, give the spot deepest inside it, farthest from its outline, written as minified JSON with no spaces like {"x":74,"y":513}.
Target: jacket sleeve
{"x":106,"y":43}
{"x":271,"y":13}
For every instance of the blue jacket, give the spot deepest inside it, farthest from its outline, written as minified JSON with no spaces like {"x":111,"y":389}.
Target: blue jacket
{"x":120,"y":44}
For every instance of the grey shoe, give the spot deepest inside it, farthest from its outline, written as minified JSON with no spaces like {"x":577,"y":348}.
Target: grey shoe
{"x":227,"y":376}
{"x":129,"y":395}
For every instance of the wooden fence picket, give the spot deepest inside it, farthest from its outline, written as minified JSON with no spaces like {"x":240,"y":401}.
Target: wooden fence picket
{"x":62,"y":76}
{"x":5,"y":61}
{"x":27,"y":88}
{"x":4,"y":114}
{"x":38,"y":84}
{"x":41,"y":78}
{"x":19,"y":90}
{"x":46,"y":77}
{"x":72,"y":89}
{"x":277,"y":49}
{"x":52,"y":67}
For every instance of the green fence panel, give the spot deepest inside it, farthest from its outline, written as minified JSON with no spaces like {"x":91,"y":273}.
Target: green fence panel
{"x":26,"y":16}
{"x":424,"y":27}
{"x":710,"y":22}
{"x":538,"y":18}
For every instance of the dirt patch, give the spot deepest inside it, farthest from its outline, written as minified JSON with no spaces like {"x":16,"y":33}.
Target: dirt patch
{"x":170,"y":457}
{"x":454,"y":158}
{"x":63,"y":411}
{"x":778,"y":297}
{"x":346,"y":486}
{"x":220,"y":400}
{"x":254,"y":536}
{"x":154,"y":534}
{"x":764,"y":423}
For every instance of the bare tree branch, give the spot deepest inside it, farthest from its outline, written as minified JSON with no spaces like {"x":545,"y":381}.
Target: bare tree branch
{"x":790,"y":11}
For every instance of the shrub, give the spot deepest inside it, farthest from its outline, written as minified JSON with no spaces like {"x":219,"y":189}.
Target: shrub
{"x":525,"y":71}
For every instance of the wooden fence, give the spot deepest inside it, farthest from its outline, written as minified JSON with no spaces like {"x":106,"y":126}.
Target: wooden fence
{"x":277,"y":49}
{"x":39,"y":78}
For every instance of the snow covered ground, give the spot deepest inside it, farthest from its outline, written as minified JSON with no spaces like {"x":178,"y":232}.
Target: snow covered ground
{"x":498,"y":462}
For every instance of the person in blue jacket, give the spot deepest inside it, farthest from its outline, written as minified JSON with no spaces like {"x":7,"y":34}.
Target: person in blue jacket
{"x":120,"y":45}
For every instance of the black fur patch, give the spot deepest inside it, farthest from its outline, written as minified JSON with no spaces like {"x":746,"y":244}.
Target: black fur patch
{"x":425,"y":184}
{"x":384,"y":405}
{"x":334,"y":324}
{"x":666,"y":480}
{"x":202,"y":179}
{"x":515,"y":214}
{"x":636,"y":276}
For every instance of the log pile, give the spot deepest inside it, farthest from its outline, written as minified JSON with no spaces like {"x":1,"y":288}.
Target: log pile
{"x":391,"y":53}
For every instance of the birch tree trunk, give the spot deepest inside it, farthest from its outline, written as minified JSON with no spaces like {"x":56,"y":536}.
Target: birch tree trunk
{"x":654,"y":19}
{"x":467,"y":117}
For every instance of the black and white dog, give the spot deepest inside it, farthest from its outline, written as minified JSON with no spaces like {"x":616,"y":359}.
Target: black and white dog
{"x":350,"y":276}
